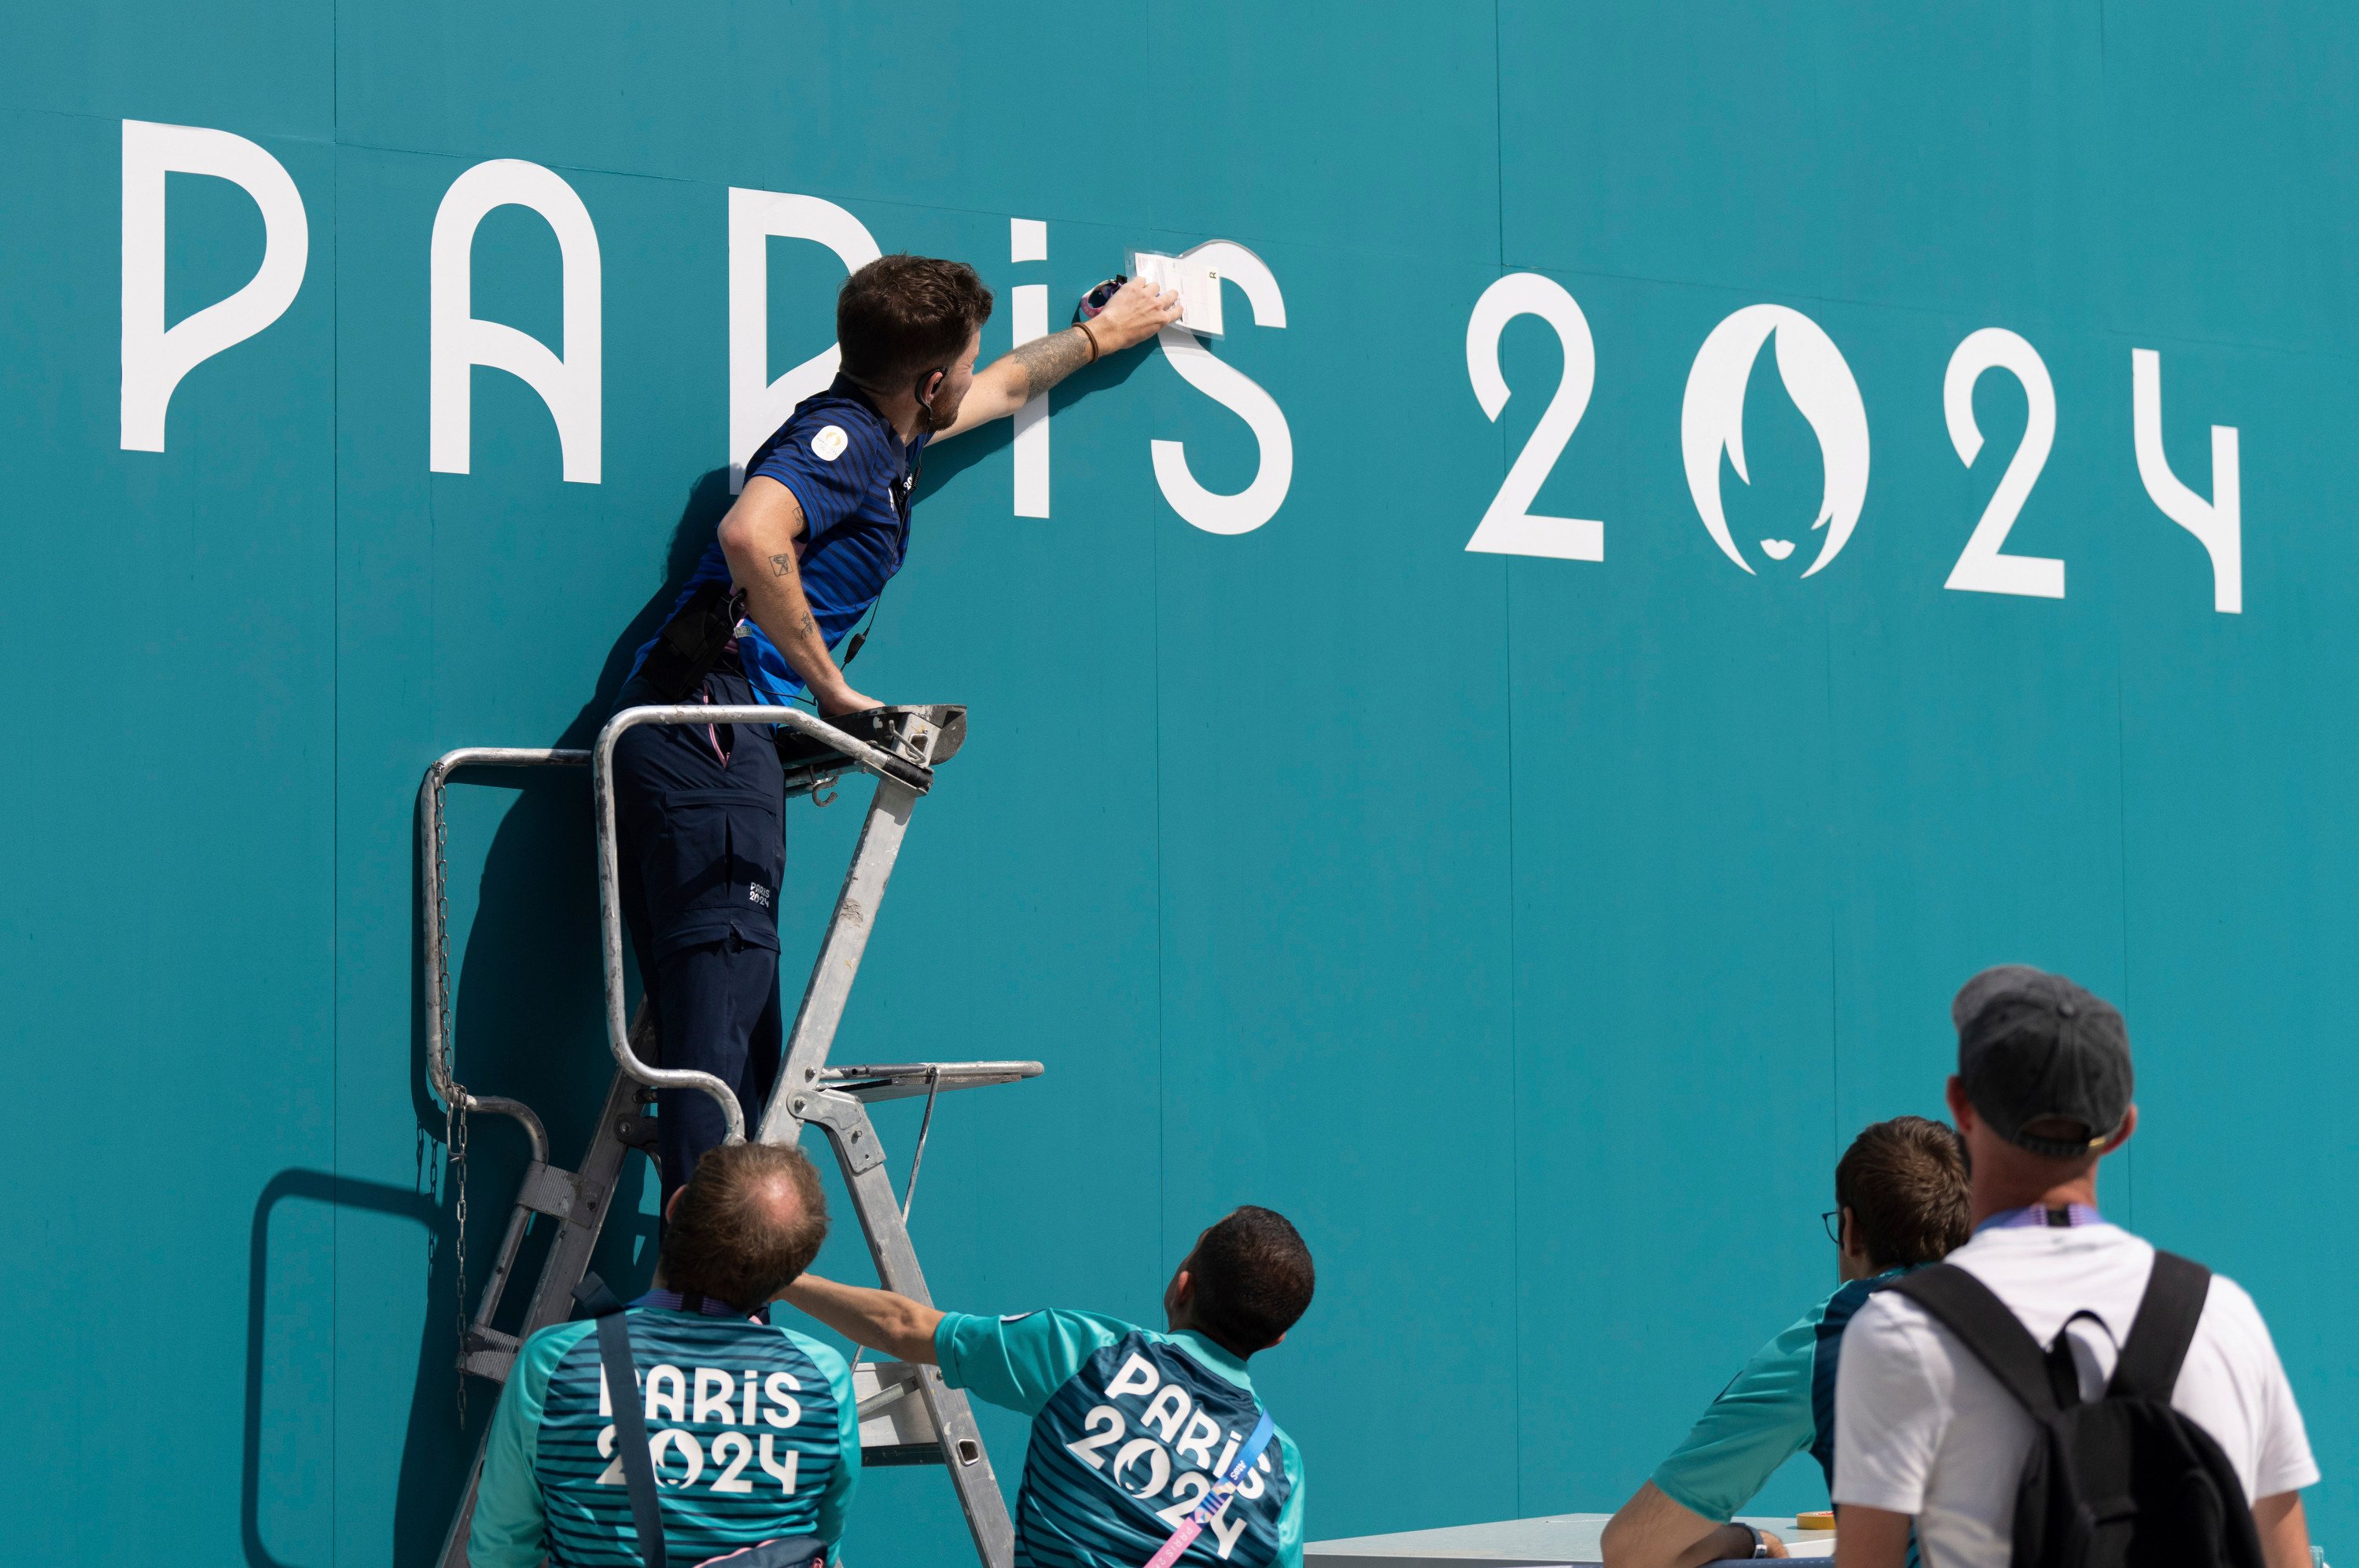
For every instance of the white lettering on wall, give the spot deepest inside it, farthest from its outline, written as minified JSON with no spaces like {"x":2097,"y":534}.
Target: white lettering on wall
{"x":1233,"y":389}
{"x":757,"y":405}
{"x":1508,"y":526}
{"x":1028,"y":240}
{"x":154,"y":359}
{"x":1985,"y":568}
{"x":1711,"y":419}
{"x":2218,"y":523}
{"x":572,"y":385}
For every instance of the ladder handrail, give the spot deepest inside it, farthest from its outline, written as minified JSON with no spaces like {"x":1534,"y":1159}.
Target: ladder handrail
{"x":610,"y":899}
{"x":430,"y":845}
{"x":580,"y":1200}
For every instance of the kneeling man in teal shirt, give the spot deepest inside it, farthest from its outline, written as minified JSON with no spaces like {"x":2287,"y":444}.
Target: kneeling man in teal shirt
{"x":1137,"y":1436}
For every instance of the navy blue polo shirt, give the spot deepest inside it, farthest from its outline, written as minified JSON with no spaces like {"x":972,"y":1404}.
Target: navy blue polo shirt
{"x":849,"y":471}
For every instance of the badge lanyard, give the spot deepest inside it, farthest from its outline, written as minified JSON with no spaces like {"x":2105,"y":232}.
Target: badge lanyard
{"x":2057,"y":1217}
{"x":1213,"y":1503}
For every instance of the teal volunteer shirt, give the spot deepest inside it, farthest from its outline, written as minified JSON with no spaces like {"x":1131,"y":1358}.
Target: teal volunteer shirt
{"x":1129,"y":1429}
{"x":1781,"y":1402}
{"x":753,"y":1429}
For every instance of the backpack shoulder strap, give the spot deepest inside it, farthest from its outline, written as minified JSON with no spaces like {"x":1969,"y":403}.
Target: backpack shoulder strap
{"x":630,"y":1419}
{"x":1965,"y":1306}
{"x":2163,"y":1329}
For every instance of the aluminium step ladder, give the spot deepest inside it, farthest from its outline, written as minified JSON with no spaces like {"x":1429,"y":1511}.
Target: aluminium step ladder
{"x":901,"y":747}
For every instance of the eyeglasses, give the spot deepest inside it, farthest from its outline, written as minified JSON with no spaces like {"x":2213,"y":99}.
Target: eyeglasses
{"x":1832,"y":1221}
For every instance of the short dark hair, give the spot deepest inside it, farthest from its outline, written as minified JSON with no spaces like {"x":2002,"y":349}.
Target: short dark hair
{"x":748,"y":1223}
{"x":1253,"y":1279}
{"x":901,"y":316}
{"x":1904,"y":1183}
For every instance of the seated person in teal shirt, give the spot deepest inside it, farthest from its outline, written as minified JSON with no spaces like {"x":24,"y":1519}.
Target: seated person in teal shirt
{"x":1900,"y":1204}
{"x":752,"y":1429}
{"x":1131,"y":1429}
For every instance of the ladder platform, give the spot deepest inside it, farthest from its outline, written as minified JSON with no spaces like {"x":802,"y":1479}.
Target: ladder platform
{"x":907,"y":1080}
{"x":923,"y":736}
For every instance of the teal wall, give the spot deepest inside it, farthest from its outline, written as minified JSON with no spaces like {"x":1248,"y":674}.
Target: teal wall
{"x":1534,"y":932}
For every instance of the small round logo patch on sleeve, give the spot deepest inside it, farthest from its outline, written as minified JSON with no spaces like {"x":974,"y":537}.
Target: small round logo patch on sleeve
{"x":829,"y":445}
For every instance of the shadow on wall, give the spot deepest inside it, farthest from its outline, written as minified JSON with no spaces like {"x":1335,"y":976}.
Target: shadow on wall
{"x":317,"y":1187}
{"x":529,"y":1023}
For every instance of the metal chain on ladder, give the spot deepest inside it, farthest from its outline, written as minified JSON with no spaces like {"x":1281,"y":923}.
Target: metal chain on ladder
{"x":454,"y":1107}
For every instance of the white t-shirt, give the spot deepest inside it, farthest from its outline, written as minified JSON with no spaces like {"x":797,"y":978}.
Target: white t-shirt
{"x":1922,"y":1428}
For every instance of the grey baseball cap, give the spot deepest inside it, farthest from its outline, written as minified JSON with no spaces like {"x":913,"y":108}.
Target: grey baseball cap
{"x":2034,"y":1046}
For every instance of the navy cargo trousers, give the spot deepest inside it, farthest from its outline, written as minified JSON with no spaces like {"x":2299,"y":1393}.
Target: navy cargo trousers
{"x":700,"y":817}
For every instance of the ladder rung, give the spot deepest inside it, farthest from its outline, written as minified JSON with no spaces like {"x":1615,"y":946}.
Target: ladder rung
{"x":548,"y":1191}
{"x":898,"y":1453}
{"x":889,"y":1418}
{"x":489,"y":1361}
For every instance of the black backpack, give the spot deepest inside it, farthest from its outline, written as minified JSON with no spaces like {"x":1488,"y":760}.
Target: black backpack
{"x":2125,"y":1481}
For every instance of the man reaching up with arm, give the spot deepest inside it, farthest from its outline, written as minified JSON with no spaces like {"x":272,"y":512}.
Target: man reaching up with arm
{"x":822,"y":526}
{"x":1131,"y":1429}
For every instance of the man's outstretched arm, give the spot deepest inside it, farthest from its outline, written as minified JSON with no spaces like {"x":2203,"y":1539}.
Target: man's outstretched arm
{"x":881,"y":1320}
{"x":1135,"y":314}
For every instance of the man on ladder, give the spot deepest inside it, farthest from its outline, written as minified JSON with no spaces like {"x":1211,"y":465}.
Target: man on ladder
{"x":822,"y":525}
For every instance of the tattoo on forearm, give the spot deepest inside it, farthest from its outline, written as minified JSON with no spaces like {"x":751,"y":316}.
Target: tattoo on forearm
{"x":782,"y":565}
{"x":1048,"y":360}
{"x":806,"y":626}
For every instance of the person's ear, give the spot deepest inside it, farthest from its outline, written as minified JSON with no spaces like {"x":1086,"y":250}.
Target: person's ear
{"x":673,"y":1201}
{"x":2129,"y":1125}
{"x":1961,"y":1110}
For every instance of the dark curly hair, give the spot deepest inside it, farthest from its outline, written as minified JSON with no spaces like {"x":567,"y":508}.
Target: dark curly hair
{"x":902,"y":316}
{"x":1253,"y":1279}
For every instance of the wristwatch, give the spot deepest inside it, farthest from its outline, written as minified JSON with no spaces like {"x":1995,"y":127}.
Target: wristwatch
{"x":1760,"y":1547}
